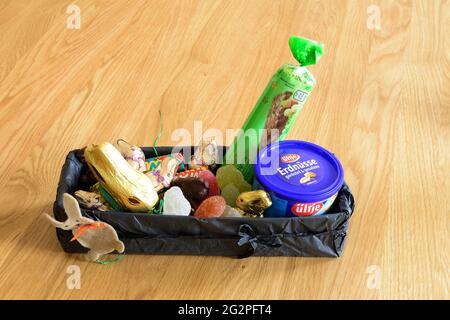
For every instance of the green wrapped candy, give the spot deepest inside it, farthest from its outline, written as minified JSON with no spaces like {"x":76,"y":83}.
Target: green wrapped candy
{"x":277,"y":108}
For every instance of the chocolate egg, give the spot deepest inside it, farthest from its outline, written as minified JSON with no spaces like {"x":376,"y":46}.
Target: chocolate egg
{"x":194,"y":190}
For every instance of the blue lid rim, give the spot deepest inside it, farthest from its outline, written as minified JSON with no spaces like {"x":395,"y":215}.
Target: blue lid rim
{"x":321,"y":195}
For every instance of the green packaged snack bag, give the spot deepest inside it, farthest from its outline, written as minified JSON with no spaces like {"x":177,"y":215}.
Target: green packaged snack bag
{"x":277,"y":108}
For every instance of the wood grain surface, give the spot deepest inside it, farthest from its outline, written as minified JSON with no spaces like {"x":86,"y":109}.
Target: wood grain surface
{"x":382,"y":104}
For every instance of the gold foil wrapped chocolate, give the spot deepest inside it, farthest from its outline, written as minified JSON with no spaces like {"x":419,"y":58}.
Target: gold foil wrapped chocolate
{"x":132,"y":189}
{"x":253,"y":203}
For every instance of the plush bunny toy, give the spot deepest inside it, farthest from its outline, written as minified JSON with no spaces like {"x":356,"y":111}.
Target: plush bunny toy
{"x":97,"y":236}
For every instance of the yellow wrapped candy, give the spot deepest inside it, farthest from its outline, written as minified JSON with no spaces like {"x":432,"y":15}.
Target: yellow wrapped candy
{"x":132,"y":189}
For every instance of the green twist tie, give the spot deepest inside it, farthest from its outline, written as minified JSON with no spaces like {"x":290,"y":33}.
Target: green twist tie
{"x":117,"y":259}
{"x":155,"y":142}
{"x":159,"y":209}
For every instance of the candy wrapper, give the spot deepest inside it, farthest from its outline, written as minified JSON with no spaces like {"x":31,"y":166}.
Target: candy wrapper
{"x":164,"y":173}
{"x":161,"y":170}
{"x":206,"y":154}
{"x":92,"y":200}
{"x":253,"y":203}
{"x":133,"y":154}
{"x":153,"y":163}
{"x":129,"y":187}
{"x":277,"y":108}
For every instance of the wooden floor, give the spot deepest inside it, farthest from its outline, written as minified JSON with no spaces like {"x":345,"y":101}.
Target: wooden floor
{"x":382,"y":104}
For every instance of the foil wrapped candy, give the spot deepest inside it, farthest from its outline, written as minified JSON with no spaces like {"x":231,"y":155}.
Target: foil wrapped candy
{"x":92,"y":200}
{"x":253,"y":203}
{"x":164,"y":173}
{"x":132,"y":189}
{"x":206,"y":154}
{"x":133,"y":154}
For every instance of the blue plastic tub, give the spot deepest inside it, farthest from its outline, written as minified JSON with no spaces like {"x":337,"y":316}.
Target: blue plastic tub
{"x":302,"y":178}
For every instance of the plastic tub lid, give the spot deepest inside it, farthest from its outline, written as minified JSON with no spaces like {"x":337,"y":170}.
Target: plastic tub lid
{"x":299,"y":170}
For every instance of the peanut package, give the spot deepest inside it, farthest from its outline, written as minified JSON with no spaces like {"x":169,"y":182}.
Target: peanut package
{"x":277,"y":108}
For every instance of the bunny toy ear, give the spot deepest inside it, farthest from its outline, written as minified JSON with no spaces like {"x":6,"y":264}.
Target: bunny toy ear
{"x":71,"y":207}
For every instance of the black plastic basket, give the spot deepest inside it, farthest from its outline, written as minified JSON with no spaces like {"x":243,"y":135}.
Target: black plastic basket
{"x":142,"y":233}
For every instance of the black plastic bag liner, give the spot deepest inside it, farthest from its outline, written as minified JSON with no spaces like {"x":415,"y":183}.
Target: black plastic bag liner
{"x":143,"y":233}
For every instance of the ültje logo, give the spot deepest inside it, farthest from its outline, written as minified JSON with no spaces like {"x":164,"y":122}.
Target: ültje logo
{"x":306,"y":209}
{"x":291,"y":157}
